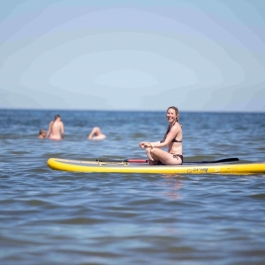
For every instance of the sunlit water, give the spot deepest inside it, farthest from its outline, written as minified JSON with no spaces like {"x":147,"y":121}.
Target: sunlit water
{"x":53,"y":217}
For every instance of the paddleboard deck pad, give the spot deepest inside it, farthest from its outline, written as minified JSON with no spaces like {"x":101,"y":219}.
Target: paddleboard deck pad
{"x":232,"y":168}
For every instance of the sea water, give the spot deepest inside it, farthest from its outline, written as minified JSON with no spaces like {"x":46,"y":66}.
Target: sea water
{"x":54,"y":217}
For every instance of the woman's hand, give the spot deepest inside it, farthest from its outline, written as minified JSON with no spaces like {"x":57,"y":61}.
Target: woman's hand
{"x":145,"y":145}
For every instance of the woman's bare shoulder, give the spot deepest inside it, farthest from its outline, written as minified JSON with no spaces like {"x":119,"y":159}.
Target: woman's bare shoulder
{"x":177,"y":126}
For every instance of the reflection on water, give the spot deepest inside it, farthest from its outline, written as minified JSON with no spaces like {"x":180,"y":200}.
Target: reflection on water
{"x":174,"y":185}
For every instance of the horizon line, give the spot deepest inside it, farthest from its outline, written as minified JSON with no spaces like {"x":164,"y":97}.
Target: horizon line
{"x":130,"y":110}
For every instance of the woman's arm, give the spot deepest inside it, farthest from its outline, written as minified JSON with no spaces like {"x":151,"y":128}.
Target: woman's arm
{"x":62,"y":130}
{"x":170,"y":136}
{"x":146,"y":144}
{"x":49,"y":130}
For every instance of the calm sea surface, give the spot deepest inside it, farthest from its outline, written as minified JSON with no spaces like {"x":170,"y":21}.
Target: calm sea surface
{"x":53,"y":217}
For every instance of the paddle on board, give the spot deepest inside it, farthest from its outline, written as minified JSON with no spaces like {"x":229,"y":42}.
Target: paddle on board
{"x":139,"y":161}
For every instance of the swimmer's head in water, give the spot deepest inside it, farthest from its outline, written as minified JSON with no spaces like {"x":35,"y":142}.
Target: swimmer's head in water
{"x":42,"y":132}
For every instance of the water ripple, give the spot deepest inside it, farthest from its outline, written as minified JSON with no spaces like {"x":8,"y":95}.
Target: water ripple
{"x":53,"y":217}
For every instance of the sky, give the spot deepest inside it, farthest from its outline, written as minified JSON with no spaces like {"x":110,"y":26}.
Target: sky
{"x":197,"y":55}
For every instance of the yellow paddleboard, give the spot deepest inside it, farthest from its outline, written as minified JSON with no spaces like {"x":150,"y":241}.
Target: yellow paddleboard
{"x":236,"y":168}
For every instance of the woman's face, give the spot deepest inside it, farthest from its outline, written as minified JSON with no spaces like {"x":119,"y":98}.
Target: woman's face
{"x":171,"y":115}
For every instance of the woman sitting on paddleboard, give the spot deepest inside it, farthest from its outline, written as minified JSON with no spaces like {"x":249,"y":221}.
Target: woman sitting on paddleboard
{"x":172,"y":139}
{"x":56,"y":129}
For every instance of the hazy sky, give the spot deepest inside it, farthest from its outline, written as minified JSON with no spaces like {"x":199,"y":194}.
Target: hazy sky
{"x":198,"y":55}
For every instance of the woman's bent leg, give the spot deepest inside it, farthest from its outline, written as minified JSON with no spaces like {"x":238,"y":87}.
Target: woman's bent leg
{"x":151,"y":159}
{"x":165,"y":157}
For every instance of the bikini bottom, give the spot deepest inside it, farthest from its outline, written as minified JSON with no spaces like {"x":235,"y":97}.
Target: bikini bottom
{"x":174,"y":156}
